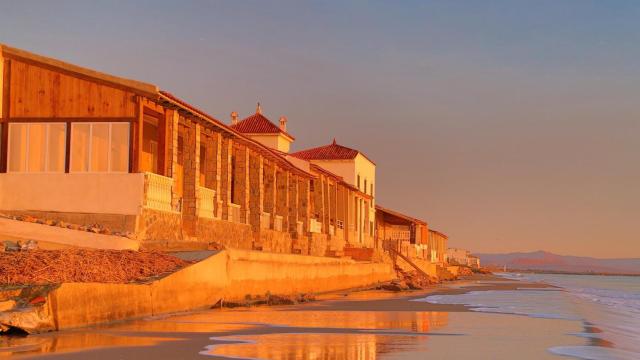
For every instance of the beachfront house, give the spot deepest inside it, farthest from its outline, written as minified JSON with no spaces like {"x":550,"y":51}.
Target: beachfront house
{"x":437,"y":247}
{"x":402,"y":233}
{"x":85,"y":147}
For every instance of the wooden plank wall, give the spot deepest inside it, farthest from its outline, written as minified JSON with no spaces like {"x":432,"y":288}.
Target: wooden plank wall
{"x":38,"y":92}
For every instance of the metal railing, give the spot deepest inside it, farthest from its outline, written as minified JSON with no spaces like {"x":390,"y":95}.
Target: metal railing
{"x":157,"y":192}
{"x":206,"y":201}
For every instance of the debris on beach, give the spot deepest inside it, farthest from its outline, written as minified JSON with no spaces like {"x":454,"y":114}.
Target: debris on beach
{"x":84,"y":265}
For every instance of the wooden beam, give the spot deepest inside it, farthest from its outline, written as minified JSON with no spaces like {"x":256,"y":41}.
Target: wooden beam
{"x":70,"y":119}
{"x":4,"y":125}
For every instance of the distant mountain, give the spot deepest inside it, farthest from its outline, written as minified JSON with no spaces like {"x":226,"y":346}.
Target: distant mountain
{"x":546,"y":261}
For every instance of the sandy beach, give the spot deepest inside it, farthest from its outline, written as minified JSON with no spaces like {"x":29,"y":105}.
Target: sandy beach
{"x":349,"y":325}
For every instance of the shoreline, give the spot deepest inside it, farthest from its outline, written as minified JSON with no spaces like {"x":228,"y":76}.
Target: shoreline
{"x":364,"y":313}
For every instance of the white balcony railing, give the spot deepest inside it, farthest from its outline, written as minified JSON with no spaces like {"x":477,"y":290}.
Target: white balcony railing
{"x":332,"y":230}
{"x":315,"y":226}
{"x":157,"y":192}
{"x":299,"y":227}
{"x":234,"y":213}
{"x":400,"y":235}
{"x":277,"y":223}
{"x":206,"y":201}
{"x":265,"y":220}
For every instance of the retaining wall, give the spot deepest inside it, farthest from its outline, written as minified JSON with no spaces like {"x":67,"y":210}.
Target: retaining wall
{"x":229,"y":274}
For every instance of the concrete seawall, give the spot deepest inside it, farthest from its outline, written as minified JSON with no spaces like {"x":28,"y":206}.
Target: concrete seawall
{"x":228,"y":275}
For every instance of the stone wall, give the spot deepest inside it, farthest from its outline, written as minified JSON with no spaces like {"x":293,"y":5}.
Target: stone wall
{"x":275,"y":241}
{"x":227,"y":234}
{"x":159,"y":229}
{"x":318,"y":244}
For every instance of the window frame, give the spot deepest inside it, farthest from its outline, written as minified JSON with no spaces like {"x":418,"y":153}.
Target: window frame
{"x":90,"y":147}
{"x":46,"y":147}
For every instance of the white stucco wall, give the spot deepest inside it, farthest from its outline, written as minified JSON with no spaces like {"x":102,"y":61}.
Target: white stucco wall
{"x":75,"y":193}
{"x":275,"y":141}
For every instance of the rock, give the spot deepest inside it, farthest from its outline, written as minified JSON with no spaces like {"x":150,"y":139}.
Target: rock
{"x":11,"y":245}
{"x":29,"y":245}
{"x":7,"y":305}
{"x":31,"y":320}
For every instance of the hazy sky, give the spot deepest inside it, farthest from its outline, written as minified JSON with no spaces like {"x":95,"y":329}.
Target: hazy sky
{"x":509,"y":125}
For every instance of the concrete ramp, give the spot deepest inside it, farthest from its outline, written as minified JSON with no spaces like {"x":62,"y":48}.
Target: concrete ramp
{"x":53,"y":236}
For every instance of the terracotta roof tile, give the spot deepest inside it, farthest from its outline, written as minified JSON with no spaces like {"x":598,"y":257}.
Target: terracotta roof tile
{"x":332,"y":151}
{"x":259,"y":124}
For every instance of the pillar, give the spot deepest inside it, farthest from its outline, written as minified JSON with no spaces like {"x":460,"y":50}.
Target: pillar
{"x":293,"y":203}
{"x":256,"y":194}
{"x":225,"y":176}
{"x":191,"y":179}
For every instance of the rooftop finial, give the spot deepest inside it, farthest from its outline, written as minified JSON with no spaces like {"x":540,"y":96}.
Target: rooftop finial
{"x":258,"y":109}
{"x":334,"y":141}
{"x":234,"y":118}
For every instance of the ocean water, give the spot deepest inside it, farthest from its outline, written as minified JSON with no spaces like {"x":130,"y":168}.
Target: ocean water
{"x":608,"y":306}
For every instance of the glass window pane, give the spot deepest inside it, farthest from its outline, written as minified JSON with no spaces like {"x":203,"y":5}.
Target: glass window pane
{"x":80,"y":147}
{"x":17,"y":147}
{"x":100,"y":148}
{"x":56,"y":147}
{"x":37,"y":147}
{"x":120,"y":147}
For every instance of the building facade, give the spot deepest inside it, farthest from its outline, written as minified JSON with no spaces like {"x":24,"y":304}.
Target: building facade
{"x":84,"y":147}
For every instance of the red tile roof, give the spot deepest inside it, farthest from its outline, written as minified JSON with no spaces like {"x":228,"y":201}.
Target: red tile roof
{"x":332,"y":151}
{"x":259,"y":124}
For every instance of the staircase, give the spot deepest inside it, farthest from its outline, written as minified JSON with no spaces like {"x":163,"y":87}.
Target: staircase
{"x":396,"y":253}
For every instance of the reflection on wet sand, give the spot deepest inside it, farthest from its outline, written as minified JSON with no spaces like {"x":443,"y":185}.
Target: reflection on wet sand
{"x":314,"y":346}
{"x":356,"y":335}
{"x":282,"y":334}
{"x":33,"y":345}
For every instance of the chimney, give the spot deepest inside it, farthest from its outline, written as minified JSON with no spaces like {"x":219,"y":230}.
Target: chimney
{"x":283,"y":123}
{"x":234,"y":118}
{"x":258,"y":109}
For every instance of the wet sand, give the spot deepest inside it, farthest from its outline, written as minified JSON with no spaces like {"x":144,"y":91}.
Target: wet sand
{"x":352,"y":325}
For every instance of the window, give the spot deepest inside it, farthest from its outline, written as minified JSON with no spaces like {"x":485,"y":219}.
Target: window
{"x":371,"y":189}
{"x":365,"y":186}
{"x":99,"y":147}
{"x":359,"y":181}
{"x":37,"y":147}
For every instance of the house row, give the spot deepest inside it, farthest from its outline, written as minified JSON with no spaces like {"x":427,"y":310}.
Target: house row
{"x":85,"y":147}
{"x":457,"y":256}
{"x":409,"y":236}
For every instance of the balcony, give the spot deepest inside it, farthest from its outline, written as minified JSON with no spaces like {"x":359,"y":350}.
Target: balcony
{"x":157,"y":192}
{"x":277,"y":223}
{"x":332,"y":230}
{"x":315,"y":226}
{"x":206,"y":201}
{"x":265,"y":221}
{"x":234,"y":213}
